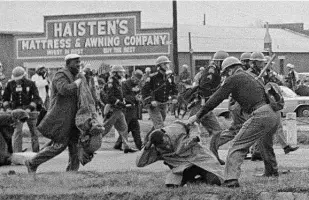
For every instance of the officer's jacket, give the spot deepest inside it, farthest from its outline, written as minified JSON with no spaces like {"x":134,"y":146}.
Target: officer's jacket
{"x":159,"y":87}
{"x":209,"y":81}
{"x":113,"y":90}
{"x":20,"y":96}
{"x":130,"y":90}
{"x":244,"y":89}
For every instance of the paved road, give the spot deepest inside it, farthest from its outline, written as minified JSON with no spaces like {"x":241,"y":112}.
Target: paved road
{"x":108,"y":161}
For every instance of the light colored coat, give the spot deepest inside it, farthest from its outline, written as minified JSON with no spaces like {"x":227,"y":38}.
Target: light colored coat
{"x":186,"y":153}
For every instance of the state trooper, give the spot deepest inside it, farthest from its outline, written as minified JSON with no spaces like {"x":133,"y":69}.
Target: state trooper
{"x":131,"y":91}
{"x":245,"y":60}
{"x":239,"y":117}
{"x":22,"y":93}
{"x":114,"y":109}
{"x":157,"y":90}
{"x":208,"y":84}
{"x":258,"y":62}
{"x":260,"y":126}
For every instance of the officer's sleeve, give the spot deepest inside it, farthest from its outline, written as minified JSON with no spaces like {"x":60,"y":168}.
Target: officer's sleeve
{"x":173,"y":90}
{"x":111,"y":98}
{"x":63,"y":85}
{"x":7,"y":92}
{"x":127,"y":94}
{"x":147,"y":89}
{"x":222,"y":93}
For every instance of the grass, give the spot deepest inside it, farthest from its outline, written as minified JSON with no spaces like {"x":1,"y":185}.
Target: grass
{"x":137,"y":185}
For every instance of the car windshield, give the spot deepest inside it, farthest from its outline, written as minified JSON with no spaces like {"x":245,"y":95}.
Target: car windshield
{"x":287,"y":92}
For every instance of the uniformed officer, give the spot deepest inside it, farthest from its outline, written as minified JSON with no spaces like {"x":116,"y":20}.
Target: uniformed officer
{"x":158,"y":88}
{"x":131,"y":91}
{"x":114,"y":110}
{"x":245,"y":60}
{"x":258,"y":62}
{"x":261,"y":125}
{"x":23,"y":93}
{"x":208,"y":84}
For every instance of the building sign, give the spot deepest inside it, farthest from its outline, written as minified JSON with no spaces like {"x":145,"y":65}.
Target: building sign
{"x":96,"y":35}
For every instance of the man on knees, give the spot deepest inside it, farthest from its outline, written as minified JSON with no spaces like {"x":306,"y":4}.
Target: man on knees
{"x":188,"y":160}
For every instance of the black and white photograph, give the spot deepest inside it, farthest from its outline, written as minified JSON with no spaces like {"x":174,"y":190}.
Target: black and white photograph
{"x":154,"y":100}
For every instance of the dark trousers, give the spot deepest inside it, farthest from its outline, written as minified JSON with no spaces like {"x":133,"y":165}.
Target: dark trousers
{"x":134,"y":128}
{"x":196,"y":174}
{"x":55,"y":149}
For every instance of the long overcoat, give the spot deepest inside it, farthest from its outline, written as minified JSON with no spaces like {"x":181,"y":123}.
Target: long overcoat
{"x":186,"y":153}
{"x":59,"y":122}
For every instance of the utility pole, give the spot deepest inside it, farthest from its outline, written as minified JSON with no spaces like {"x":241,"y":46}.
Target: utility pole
{"x":175,"y":41}
{"x":191,"y":57}
{"x":204,"y":22}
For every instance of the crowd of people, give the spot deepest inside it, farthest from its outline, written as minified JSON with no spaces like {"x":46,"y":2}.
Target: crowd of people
{"x":51,"y":107}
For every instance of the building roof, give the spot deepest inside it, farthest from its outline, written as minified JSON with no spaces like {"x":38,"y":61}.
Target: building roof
{"x":237,"y":39}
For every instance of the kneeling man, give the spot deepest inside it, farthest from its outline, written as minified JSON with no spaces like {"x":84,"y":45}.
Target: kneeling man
{"x":187,"y":159}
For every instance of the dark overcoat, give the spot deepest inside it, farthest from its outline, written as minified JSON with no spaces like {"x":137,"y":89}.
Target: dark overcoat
{"x":59,"y":122}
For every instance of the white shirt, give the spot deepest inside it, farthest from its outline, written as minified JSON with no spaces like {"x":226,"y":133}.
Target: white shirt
{"x":40,"y":84}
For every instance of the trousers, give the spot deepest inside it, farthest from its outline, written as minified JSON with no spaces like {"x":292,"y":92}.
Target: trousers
{"x":55,"y":149}
{"x":17,"y":138}
{"x":117,"y":119}
{"x":260,"y":127}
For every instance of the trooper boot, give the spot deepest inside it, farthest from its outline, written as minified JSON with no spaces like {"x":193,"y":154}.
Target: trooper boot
{"x":289,"y":149}
{"x":256,"y":157}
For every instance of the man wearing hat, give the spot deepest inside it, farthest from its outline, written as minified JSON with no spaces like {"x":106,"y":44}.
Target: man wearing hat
{"x":22,"y":93}
{"x":131,"y":91}
{"x":59,"y":122}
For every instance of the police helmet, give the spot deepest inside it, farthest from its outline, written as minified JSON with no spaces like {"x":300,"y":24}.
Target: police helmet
{"x":257,"y":56}
{"x":162,"y":59}
{"x":230,"y":61}
{"x":245,"y":56}
{"x":220,"y":55}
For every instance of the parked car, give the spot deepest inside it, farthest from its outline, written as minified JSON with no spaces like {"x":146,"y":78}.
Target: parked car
{"x":293,"y":103}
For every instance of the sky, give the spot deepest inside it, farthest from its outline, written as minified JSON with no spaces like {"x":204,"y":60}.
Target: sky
{"x":29,"y":15}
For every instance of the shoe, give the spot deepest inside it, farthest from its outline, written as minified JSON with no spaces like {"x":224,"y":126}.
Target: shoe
{"x":118,"y":147}
{"x":130,"y":150}
{"x":232,"y":183}
{"x":256,"y":157}
{"x":288,"y":149}
{"x":31,"y":170}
